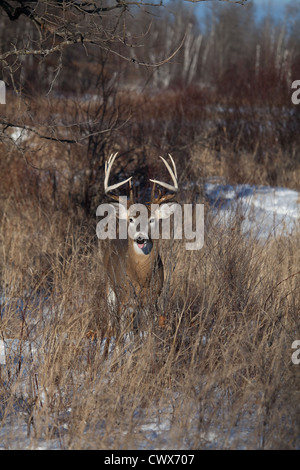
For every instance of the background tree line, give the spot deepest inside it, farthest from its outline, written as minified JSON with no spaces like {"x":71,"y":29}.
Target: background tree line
{"x":222,"y":49}
{"x":141,"y":78}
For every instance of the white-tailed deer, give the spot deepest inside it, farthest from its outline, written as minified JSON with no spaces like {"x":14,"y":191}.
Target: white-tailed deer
{"x":135,"y":273}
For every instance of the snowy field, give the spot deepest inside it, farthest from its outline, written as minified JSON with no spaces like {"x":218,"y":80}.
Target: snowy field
{"x":264,"y":211}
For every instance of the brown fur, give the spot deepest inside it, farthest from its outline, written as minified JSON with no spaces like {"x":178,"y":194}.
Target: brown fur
{"x":133,"y":277}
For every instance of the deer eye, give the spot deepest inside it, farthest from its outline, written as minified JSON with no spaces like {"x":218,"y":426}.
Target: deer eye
{"x":131,"y":220}
{"x":152,"y":220}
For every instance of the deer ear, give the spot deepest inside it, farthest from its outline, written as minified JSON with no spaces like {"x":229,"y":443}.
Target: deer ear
{"x":120,"y":209}
{"x":165,"y":210}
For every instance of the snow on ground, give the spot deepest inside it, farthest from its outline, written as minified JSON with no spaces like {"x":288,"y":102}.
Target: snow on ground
{"x":19,"y":134}
{"x":264,"y":211}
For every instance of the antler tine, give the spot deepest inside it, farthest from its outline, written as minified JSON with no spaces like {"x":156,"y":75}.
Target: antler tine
{"x":174,"y":166}
{"x":173,"y":174}
{"x":108,"y":166}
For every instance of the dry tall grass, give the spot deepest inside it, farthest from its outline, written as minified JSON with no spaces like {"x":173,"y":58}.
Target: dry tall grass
{"x":219,"y":375}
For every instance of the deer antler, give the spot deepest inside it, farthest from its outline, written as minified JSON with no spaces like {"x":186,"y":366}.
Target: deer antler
{"x":173,"y":188}
{"x":108,"y":189}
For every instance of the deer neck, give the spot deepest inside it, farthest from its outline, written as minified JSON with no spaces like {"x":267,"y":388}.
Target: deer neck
{"x":140,"y":263}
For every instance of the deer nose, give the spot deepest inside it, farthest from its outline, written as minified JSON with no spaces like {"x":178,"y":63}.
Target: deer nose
{"x":140,"y":240}
{"x":143,"y":243}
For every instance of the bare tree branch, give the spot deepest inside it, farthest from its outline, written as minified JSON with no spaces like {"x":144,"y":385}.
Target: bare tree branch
{"x":63,"y":24}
